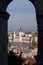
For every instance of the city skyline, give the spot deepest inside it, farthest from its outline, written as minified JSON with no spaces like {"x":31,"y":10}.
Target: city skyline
{"x":22,"y":15}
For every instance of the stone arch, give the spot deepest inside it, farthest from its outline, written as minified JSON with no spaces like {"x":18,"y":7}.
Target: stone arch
{"x":3,"y":30}
{"x":39,"y":15}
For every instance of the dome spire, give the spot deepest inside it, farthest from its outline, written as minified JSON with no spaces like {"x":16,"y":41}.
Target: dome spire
{"x":20,"y":29}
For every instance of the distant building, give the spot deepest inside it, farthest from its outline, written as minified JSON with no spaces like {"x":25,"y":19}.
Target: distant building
{"x":21,"y":36}
{"x":10,"y":37}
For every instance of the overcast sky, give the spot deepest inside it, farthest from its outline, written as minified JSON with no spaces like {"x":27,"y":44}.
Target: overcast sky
{"x":22,"y":15}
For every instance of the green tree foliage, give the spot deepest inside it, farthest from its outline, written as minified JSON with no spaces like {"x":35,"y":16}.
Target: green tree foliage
{"x":29,"y":63}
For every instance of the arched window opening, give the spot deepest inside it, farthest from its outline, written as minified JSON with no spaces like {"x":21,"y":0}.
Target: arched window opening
{"x":22,"y":29}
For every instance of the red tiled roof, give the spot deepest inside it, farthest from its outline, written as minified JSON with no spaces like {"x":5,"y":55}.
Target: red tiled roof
{"x":32,"y":60}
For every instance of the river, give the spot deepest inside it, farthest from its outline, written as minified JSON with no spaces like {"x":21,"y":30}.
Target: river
{"x":24,"y":47}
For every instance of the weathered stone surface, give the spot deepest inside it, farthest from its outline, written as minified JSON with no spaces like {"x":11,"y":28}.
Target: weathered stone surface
{"x":40,"y":39}
{"x":4,"y":4}
{"x":38,"y":5}
{"x":3,"y":38}
{"x":3,"y":30}
{"x":39,"y":15}
{"x":4,"y":16}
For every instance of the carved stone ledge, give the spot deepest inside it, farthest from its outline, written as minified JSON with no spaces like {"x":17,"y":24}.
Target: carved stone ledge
{"x":4,"y":15}
{"x":40,"y":16}
{"x":40,"y":22}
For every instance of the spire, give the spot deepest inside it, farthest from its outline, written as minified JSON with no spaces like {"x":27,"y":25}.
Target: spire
{"x":20,"y":29}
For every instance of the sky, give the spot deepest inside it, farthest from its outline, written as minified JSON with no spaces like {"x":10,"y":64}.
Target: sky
{"x":22,"y":14}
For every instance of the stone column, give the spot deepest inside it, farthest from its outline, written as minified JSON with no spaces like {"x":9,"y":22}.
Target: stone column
{"x":39,"y":15}
{"x":3,"y":38}
{"x":3,"y":32}
{"x":40,"y":39}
